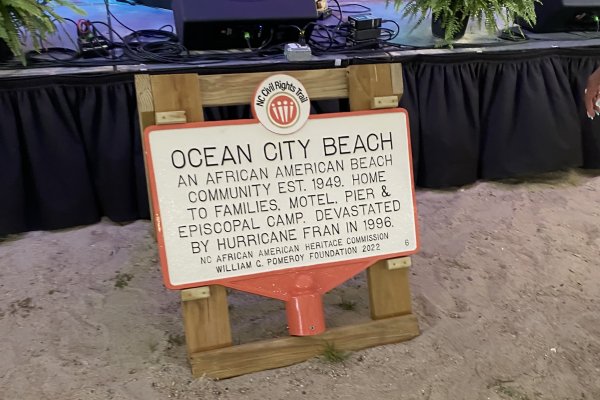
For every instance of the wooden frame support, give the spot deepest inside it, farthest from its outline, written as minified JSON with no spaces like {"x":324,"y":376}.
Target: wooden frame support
{"x":180,"y":98}
{"x":206,"y":318}
{"x":281,"y":352}
{"x":177,"y":99}
{"x":369,"y":87}
{"x":389,"y":291}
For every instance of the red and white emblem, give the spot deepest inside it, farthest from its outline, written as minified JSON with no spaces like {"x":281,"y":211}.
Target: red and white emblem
{"x":281,"y":104}
{"x":283,"y":110}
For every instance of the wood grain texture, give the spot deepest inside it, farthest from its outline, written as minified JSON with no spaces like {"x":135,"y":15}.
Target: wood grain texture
{"x":398,"y":263}
{"x":384,"y":102}
{"x":145,"y":107}
{"x":366,"y":82}
{"x":397,"y":79}
{"x":170,"y":117}
{"x":143,"y":92}
{"x":389,"y":291}
{"x":145,"y":101}
{"x":235,"y":89}
{"x":198,"y":293}
{"x":206,"y":321}
{"x":275,"y":353}
{"x":179,"y":92}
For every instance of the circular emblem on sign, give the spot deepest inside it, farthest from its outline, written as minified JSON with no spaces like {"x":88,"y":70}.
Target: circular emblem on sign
{"x":281,"y":104}
{"x":283,"y":110}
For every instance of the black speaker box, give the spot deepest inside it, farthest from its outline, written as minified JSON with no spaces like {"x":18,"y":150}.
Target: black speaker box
{"x":565,"y":16}
{"x":230,"y":24}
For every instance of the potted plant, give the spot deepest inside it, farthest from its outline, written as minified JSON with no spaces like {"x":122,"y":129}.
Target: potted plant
{"x":34,"y":17}
{"x":449,"y":18}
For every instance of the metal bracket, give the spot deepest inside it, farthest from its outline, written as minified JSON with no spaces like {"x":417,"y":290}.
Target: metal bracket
{"x":170,"y":117}
{"x":384,"y":102}
{"x":195,"y":293}
{"x":398,"y":263}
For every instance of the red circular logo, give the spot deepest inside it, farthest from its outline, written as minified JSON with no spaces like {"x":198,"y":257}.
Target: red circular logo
{"x":283,"y":110}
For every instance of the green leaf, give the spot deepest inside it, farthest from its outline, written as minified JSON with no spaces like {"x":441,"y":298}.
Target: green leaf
{"x":30,"y":17}
{"x":481,"y":11}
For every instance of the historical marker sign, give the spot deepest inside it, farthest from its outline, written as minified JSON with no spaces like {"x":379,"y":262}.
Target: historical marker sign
{"x":233,"y":199}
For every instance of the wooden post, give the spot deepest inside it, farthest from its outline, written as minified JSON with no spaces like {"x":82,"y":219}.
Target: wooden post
{"x":178,"y":93}
{"x":369,"y":87}
{"x":369,"y":83}
{"x":389,"y":289}
{"x":176,"y":99}
{"x":206,"y":319}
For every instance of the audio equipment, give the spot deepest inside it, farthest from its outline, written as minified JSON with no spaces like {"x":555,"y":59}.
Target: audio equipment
{"x":230,"y":24}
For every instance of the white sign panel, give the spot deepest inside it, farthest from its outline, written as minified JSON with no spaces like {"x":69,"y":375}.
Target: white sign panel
{"x":234,"y":199}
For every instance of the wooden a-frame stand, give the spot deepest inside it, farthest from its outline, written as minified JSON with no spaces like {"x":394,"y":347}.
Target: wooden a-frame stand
{"x":180,"y":98}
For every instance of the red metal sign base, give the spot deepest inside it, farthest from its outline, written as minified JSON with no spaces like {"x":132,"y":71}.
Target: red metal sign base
{"x":302,"y":291}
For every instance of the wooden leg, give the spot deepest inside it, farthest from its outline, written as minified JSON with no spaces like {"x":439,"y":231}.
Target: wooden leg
{"x":206,"y":318}
{"x":389,"y":289}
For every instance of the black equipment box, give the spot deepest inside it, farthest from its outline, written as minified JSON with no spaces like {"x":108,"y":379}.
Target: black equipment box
{"x":366,"y":21}
{"x":364,"y":34}
{"x":363,"y":44}
{"x":232,"y":24}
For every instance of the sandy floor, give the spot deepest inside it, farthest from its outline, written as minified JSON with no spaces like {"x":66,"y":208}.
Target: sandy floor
{"x":506,"y":290}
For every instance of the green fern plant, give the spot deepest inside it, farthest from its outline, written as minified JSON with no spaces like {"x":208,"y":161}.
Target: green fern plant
{"x":452,"y":13}
{"x":36,"y":18}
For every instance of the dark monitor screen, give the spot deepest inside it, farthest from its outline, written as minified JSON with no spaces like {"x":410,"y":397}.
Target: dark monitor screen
{"x":241,"y":10}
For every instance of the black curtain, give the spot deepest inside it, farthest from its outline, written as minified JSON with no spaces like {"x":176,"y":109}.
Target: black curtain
{"x":499,"y":117}
{"x":70,"y":153}
{"x":70,"y":148}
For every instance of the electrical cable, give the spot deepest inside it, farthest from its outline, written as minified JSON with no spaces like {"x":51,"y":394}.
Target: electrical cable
{"x":395,"y":33}
{"x":340,"y":18}
{"x":167,"y":26}
{"x":362,"y":8}
{"x":119,"y":21}
{"x":73,"y":42}
{"x":161,"y":46}
{"x":168,"y":50}
{"x":109,"y":20}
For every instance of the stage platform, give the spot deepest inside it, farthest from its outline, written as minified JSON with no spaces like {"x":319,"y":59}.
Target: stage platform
{"x":487,"y":109}
{"x":413,"y":41}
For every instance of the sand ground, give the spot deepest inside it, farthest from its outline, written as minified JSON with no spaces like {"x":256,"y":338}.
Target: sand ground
{"x":506,"y":290}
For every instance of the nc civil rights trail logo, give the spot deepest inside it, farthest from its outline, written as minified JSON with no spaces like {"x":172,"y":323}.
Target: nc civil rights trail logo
{"x":281,"y":104}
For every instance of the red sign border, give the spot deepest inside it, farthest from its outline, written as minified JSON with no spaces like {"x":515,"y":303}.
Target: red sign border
{"x":158,"y":221}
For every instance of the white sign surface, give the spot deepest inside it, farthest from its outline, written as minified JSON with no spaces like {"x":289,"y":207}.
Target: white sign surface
{"x":235,"y":199}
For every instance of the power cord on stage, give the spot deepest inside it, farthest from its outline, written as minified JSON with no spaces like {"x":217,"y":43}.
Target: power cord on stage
{"x":393,"y":34}
{"x":325,"y":38}
{"x":362,"y":9}
{"x":162,"y":45}
{"x":101,"y":40}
